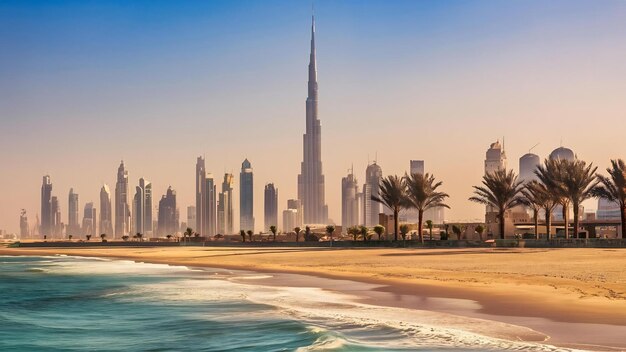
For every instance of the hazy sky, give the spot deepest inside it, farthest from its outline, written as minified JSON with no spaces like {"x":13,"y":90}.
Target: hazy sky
{"x":84,"y":84}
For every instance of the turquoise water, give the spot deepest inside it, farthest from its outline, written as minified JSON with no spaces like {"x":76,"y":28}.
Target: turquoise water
{"x":82,"y":304}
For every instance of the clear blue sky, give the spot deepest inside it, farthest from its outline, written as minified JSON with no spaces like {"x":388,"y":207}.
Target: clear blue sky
{"x":84,"y":84}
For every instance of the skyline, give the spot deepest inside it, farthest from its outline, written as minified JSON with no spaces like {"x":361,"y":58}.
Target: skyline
{"x":56,"y":136}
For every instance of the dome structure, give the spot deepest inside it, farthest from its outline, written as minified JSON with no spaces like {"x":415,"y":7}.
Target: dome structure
{"x":562,"y":153}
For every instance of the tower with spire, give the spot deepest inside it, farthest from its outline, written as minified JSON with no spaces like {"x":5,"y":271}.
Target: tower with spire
{"x":311,"y":179}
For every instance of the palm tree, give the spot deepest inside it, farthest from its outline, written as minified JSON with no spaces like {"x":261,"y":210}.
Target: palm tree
{"x":480,"y":229}
{"x":379,"y":230}
{"x":188,"y":232}
{"x":139,"y":237}
{"x":169,"y":237}
{"x":422,"y":194}
{"x":354,"y":231}
{"x":273,"y":230}
{"x":125,"y":238}
{"x":393,"y":196}
{"x":70,"y":237}
{"x":500,"y":190}
{"x":88,"y":237}
{"x":307,"y":233}
{"x":250,"y":233}
{"x":242,"y":233}
{"x":330,"y":229}
{"x":429,"y":226}
{"x":364,"y":231}
{"x":579,"y":182}
{"x":102,"y":236}
{"x":550,"y":174}
{"x":404,"y":229}
{"x":613,"y":188}
{"x":536,"y":196}
{"x":297,"y":230}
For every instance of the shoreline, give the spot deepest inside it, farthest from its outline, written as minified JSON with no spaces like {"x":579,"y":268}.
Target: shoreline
{"x":537,"y":305}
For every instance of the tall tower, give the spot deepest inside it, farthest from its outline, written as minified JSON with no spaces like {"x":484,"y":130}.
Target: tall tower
{"x":209,"y":221}
{"x":167,"y":218}
{"x":349,"y":201}
{"x":200,"y":184}
{"x":528,"y":163}
{"x":106,"y":220}
{"x":246,"y":197}
{"x":24,"y":229}
{"x":271,"y":206}
{"x":311,"y":179}
{"x":122,"y":208}
{"x":142,"y":208}
{"x":73,"y":227}
{"x":371,"y":209}
{"x":225,"y":206}
{"x":46,"y":207}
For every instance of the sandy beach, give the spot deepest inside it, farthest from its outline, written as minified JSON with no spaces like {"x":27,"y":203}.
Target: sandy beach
{"x":582,"y":289}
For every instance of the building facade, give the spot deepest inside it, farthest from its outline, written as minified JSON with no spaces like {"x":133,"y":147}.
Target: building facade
{"x":349,"y":201}
{"x":142,"y":208}
{"x":270,"y":206}
{"x":246,"y":197}
{"x":225,"y":218}
{"x":73,"y":226}
{"x":168,"y":214}
{"x":106,"y":216}
{"x":122,"y":206}
{"x":46,"y":207}
{"x":371,"y":188}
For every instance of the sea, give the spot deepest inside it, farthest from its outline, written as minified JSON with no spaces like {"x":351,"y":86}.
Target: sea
{"x":64,"y":303}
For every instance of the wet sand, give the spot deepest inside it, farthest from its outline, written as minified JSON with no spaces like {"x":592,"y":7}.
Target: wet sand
{"x":576,"y":296}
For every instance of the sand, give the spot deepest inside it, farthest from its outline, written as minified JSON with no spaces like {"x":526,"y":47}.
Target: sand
{"x":582,"y":286}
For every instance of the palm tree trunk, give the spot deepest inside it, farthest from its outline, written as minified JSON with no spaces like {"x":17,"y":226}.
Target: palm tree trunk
{"x":395,"y":224}
{"x":501,"y":224}
{"x":548,"y":222}
{"x":420,"y":218}
{"x":623,"y":213}
{"x":536,"y":214}
{"x":576,"y":221}
{"x":566,"y":219}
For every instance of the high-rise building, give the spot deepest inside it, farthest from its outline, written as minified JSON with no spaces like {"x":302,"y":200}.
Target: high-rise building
{"x":225,"y":217}
{"x":202,"y":221}
{"x":290,"y":220}
{"x":495,"y":158}
{"x":561,"y":153}
{"x":89,"y":220}
{"x":73,"y":226}
{"x":417,"y":167}
{"x":528,"y":163}
{"x":57,"y":223}
{"x":191,"y":217}
{"x":271,"y":206}
{"x":142,"y":208}
{"x":122,"y":207}
{"x":210,"y":206}
{"x":349,"y":201}
{"x":168,"y":214}
{"x":246,"y":197}
{"x":46,"y":207}
{"x":24,"y":229}
{"x":106,"y":216}
{"x":296,"y":205}
{"x":311,"y":178}
{"x":371,"y":188}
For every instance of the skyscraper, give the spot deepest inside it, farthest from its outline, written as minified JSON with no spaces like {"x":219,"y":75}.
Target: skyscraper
{"x":191,"y":216}
{"x":417,"y":167}
{"x":527,"y":165}
{"x":349,"y":201}
{"x":24,"y":229}
{"x":46,"y":207}
{"x":201,"y":222}
{"x":122,"y":208}
{"x":225,"y":206}
{"x":106,"y":219}
{"x":168,"y":215}
{"x":371,"y":209}
{"x":296,"y":205}
{"x":57,"y":224}
{"x":271,"y":206}
{"x":246,"y":197}
{"x":73,"y":227}
{"x":311,"y":178}
{"x":89,"y":220}
{"x":142,"y":208}
{"x":495,"y":158}
{"x":209,"y":206}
